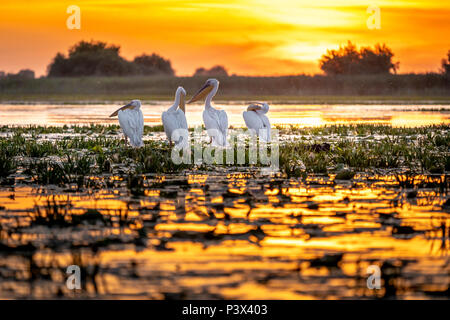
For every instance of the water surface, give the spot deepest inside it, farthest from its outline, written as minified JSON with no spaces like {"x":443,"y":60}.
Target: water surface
{"x":231,"y":235}
{"x":230,"y":232}
{"x":301,"y":115}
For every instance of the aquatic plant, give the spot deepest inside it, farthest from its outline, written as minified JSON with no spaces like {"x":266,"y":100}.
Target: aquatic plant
{"x":7,"y":165}
{"x":48,"y":172}
{"x":53,"y":214}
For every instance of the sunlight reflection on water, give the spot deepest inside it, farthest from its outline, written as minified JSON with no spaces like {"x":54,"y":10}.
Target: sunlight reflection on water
{"x":230,"y":233}
{"x":205,"y":242}
{"x":301,"y":115}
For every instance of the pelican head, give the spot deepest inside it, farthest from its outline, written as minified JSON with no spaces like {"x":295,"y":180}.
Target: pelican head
{"x":134,"y":104}
{"x":180,"y":96}
{"x":210,"y":85}
{"x":259,"y":107}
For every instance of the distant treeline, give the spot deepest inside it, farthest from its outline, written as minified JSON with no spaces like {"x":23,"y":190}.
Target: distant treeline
{"x":97,"y":58}
{"x":216,"y":71}
{"x":234,"y":86}
{"x":22,"y":74}
{"x":95,"y":68}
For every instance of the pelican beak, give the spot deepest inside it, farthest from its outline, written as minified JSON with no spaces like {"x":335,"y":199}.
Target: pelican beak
{"x":182,"y":104}
{"x":203,"y":92}
{"x":115,"y":113}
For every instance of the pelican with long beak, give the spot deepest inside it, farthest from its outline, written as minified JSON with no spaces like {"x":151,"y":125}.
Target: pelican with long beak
{"x":175,"y":118}
{"x":216,"y":121}
{"x":256,"y":120}
{"x":131,"y":121}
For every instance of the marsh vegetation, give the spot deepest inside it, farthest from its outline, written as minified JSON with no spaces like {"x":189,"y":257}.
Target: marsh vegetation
{"x":345,"y":197}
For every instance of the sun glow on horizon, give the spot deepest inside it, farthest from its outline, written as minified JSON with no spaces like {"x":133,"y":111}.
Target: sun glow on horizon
{"x":248,"y":37}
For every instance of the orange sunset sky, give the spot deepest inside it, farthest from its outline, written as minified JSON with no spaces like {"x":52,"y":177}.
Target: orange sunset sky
{"x":270,"y":37}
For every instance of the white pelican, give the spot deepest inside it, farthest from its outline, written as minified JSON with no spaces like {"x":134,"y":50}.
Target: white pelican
{"x":132,"y":122}
{"x":174,"y":118}
{"x":214,"y":119}
{"x":257,"y":121}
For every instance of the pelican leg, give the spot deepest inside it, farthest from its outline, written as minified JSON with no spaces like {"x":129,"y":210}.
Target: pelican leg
{"x":125,"y":138}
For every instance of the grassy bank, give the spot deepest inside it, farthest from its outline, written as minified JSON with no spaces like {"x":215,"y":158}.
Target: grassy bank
{"x":423,"y":88}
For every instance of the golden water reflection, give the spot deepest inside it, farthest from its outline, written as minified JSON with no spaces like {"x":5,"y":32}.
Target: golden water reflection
{"x":297,"y":114}
{"x":228,"y":236}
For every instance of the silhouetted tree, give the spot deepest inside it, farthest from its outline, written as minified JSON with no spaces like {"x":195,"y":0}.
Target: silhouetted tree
{"x":348,"y":60}
{"x":90,"y":58}
{"x":200,"y":72}
{"x":99,"y":58}
{"x":446,"y":64}
{"x":153,"y":64}
{"x":22,"y":74}
{"x":216,"y":71}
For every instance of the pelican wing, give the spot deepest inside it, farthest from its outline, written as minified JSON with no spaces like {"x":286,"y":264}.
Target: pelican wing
{"x":217,"y":120}
{"x":257,"y":123}
{"x":210,"y":120}
{"x":265,"y":132}
{"x":132,"y":123}
{"x":223,"y":125}
{"x":252,"y":120}
{"x":173,"y":121}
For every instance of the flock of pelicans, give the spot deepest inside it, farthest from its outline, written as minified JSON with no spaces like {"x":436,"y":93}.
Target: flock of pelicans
{"x":131,"y":118}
